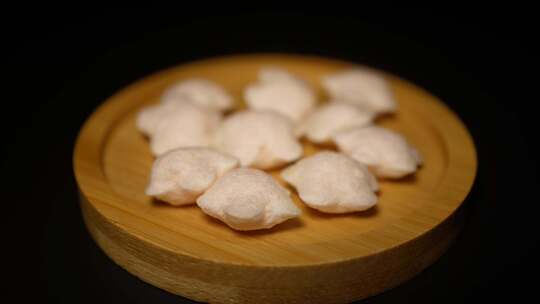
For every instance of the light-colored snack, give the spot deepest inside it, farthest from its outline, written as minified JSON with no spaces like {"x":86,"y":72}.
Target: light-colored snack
{"x":281,"y":92}
{"x":385,"y":152}
{"x":326,"y":120}
{"x":248,"y":199}
{"x":332,"y":182}
{"x":363,"y":87}
{"x":275,"y":74}
{"x":260,"y":139}
{"x":202,"y":92}
{"x":180,"y":176}
{"x":149,"y":117}
{"x":184,"y":125}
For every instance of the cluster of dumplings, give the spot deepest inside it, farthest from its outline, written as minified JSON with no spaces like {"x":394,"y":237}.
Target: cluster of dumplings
{"x":208,"y":155}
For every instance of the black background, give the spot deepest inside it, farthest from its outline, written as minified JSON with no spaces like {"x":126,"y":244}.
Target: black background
{"x":61,"y":65}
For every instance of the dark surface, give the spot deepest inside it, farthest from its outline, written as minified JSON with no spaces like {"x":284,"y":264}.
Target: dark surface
{"x":62,"y":66}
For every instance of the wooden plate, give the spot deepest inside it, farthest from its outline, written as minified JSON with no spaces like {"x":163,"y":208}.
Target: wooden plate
{"x":318,"y":258}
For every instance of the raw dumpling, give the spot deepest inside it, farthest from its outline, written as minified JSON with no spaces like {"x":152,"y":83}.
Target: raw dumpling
{"x":260,"y":139}
{"x":385,"y":152}
{"x":248,"y":199}
{"x":361,"y":87}
{"x":281,"y":92}
{"x":332,"y":182}
{"x":201,"y":92}
{"x":180,"y":176}
{"x":184,"y":125}
{"x":323,"y":122}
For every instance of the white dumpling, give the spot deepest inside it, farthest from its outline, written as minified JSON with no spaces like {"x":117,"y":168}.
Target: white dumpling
{"x":149,"y":117}
{"x":184,"y":125}
{"x":180,"y":176}
{"x":248,"y":199}
{"x":361,"y":87}
{"x":201,"y":92}
{"x":332,"y":182}
{"x":260,"y":139}
{"x":281,"y":92}
{"x":323,"y":122}
{"x":385,"y":152}
{"x":275,"y":74}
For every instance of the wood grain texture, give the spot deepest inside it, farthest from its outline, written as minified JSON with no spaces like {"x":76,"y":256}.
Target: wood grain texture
{"x":317,"y":258}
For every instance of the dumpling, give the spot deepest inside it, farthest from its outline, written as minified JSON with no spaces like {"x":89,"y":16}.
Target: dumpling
{"x":248,"y":199}
{"x":260,"y":139}
{"x":385,"y":152}
{"x":275,"y":74}
{"x":332,"y":182}
{"x":201,"y":92}
{"x":289,"y":99}
{"x":149,"y":117}
{"x":184,"y":125}
{"x":323,"y":122}
{"x":361,"y":87}
{"x":180,"y":176}
{"x":281,"y":92}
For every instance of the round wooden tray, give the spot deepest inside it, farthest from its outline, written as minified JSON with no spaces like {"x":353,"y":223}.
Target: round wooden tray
{"x":317,"y":258}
